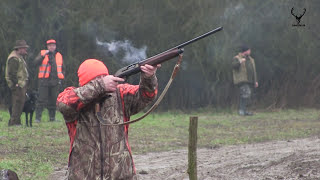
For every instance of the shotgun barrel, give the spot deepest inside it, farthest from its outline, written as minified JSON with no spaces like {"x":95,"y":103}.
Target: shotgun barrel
{"x":162,"y":57}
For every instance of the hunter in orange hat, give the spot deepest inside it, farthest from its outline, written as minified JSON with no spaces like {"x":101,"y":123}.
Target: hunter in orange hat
{"x":100,"y":148}
{"x":50,"y":78}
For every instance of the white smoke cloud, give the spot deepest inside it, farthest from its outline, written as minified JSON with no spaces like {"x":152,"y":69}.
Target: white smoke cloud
{"x":233,"y":10}
{"x":124,"y":50}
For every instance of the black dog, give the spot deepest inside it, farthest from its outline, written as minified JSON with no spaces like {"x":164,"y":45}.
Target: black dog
{"x":29,"y":106}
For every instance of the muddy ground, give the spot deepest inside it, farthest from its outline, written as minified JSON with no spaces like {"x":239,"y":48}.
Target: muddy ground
{"x":294,"y":159}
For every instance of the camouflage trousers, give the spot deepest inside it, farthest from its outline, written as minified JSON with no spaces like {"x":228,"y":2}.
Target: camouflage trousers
{"x":246,"y":91}
{"x":18,"y":96}
{"x":68,"y":177}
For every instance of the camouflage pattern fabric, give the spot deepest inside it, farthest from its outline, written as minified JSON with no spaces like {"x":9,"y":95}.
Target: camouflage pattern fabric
{"x":245,"y":90}
{"x":97,"y":151}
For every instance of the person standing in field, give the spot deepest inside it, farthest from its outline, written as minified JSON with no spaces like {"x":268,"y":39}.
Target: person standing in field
{"x":99,"y":147}
{"x":50,"y":77}
{"x":17,"y":78}
{"x":244,"y":77}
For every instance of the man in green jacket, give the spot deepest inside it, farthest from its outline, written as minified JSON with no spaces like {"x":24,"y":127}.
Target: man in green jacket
{"x":17,"y":79}
{"x":244,"y":77}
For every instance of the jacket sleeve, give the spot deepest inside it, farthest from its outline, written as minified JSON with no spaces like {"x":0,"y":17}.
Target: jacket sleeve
{"x":255,"y":71}
{"x":12,"y":70}
{"x":72,"y":99}
{"x":235,"y":63}
{"x":137,"y":97}
{"x":38,"y":60}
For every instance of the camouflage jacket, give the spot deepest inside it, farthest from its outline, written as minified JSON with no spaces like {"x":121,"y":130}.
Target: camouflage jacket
{"x":98,"y":151}
{"x":16,"y":70}
{"x":244,"y":72}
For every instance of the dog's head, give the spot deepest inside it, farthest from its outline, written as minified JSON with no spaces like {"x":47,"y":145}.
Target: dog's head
{"x":32,"y":96}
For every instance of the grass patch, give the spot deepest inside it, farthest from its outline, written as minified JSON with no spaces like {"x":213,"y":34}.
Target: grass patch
{"x":167,"y":131}
{"x":35,"y":152}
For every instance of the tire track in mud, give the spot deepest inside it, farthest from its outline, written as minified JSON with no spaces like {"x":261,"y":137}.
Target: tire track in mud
{"x":294,"y":159}
{"x":276,"y":160}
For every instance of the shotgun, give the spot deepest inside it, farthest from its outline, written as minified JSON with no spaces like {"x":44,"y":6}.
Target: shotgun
{"x":134,"y":68}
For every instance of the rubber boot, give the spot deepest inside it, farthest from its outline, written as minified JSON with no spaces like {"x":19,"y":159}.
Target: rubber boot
{"x":10,"y":123}
{"x":245,"y":104}
{"x":38,"y":114}
{"x":242,"y":106}
{"x":52,"y":114}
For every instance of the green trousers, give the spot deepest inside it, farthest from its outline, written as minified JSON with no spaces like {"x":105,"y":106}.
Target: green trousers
{"x":47,"y":99}
{"x":18,"y":96}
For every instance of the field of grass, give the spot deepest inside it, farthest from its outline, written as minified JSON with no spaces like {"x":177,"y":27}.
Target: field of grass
{"x":35,"y":152}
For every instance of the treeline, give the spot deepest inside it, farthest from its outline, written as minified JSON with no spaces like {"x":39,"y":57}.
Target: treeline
{"x":287,"y":57}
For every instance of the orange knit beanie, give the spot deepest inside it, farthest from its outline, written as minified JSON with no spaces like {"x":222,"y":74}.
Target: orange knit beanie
{"x":90,"y":69}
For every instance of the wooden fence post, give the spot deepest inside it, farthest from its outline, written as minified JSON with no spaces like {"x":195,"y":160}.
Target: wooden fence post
{"x":192,"y":148}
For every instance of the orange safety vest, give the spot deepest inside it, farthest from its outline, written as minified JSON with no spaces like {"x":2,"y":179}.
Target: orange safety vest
{"x":45,"y":68}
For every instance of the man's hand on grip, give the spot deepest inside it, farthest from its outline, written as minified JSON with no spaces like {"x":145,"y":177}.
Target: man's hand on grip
{"x":111,"y":82}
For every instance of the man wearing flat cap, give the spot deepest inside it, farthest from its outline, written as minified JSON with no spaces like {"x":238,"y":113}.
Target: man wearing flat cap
{"x":244,"y":77}
{"x":17,"y":78}
{"x":50,"y":77}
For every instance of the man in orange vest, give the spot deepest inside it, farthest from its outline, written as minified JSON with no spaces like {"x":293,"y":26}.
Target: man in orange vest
{"x":50,"y":76}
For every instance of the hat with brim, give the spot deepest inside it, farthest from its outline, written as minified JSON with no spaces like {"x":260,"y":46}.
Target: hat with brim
{"x":21,"y":44}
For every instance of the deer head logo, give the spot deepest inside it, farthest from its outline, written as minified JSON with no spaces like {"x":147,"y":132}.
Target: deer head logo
{"x":298,"y":17}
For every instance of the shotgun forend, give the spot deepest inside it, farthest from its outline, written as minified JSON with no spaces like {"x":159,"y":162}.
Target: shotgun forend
{"x":160,"y":58}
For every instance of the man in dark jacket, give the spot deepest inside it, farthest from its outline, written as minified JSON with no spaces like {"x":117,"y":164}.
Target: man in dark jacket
{"x":244,"y":77}
{"x":99,"y":147}
{"x":50,"y":77}
{"x":17,"y":79}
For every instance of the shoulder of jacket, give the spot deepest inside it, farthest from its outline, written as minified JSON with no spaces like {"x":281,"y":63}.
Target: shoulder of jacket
{"x":237,"y":56}
{"x":58,"y":54}
{"x":13,"y":54}
{"x":14,"y":58}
